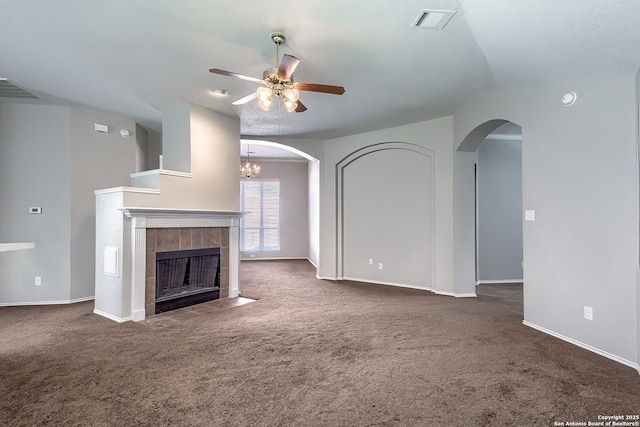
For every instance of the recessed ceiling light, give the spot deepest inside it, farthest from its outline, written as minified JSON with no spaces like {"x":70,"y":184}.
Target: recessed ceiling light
{"x":219,"y":92}
{"x":569,"y":99}
{"x":433,"y":19}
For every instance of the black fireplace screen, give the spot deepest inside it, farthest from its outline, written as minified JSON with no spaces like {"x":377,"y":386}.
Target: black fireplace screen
{"x":187,"y":272}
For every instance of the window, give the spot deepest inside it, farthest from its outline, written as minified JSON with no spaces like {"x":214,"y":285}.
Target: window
{"x":260,"y":226}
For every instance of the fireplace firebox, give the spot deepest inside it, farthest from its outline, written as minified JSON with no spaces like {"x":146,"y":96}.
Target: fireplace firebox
{"x":186,"y":277}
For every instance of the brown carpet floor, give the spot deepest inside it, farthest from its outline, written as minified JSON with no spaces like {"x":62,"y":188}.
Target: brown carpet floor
{"x":306,"y":353}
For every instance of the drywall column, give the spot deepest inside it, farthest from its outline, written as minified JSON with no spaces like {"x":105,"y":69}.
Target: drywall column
{"x":176,"y":137}
{"x":465,"y":275}
{"x":314,"y":211}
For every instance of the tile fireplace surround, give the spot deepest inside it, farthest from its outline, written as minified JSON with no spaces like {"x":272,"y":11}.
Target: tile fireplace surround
{"x":159,"y":230}
{"x":175,"y":239}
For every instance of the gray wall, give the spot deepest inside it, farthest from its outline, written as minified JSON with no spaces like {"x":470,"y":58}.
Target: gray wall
{"x":34,"y":171}
{"x":580,"y":175}
{"x":142,"y":148}
{"x":435,"y":136}
{"x":154,"y":149}
{"x":51,"y":157}
{"x":176,"y":137}
{"x":499,"y":210}
{"x":294,"y":208}
{"x":387,"y":209}
{"x":98,"y":160}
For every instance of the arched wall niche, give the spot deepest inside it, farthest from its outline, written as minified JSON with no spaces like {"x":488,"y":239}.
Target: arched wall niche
{"x":385,"y":215}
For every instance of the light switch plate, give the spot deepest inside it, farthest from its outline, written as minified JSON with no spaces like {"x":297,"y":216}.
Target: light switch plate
{"x":529,"y":215}
{"x":588,"y":312}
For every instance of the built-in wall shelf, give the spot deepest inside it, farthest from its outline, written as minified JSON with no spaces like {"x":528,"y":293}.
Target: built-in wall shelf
{"x":6,"y":247}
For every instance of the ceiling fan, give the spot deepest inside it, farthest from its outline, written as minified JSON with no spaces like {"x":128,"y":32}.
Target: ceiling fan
{"x":279,"y":82}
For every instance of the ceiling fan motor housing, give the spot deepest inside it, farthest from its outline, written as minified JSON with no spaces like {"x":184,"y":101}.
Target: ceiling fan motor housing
{"x":278,"y":85}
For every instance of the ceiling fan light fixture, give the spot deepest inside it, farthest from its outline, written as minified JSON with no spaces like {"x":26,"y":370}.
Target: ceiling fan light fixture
{"x":291,"y":94}
{"x":278,"y":81}
{"x":291,"y":106}
{"x":265,"y":97}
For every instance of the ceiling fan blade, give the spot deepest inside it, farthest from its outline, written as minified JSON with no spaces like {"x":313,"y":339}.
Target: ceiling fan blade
{"x":287,"y":66}
{"x":244,"y":100}
{"x":313,"y":87}
{"x":236,"y":75}
{"x":300,"y":108}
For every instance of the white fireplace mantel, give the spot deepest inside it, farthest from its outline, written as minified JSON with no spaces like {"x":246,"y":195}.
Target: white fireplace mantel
{"x":143,"y":218}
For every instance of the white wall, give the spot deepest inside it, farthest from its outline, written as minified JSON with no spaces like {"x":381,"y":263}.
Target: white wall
{"x":499,"y":210}
{"x":294,"y":208}
{"x":580,"y":175}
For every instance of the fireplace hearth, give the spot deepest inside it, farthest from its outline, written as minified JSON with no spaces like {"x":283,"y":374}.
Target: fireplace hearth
{"x":186,"y":277}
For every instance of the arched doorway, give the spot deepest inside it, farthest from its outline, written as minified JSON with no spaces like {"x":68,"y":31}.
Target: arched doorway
{"x":269,"y":151}
{"x":488,"y":187}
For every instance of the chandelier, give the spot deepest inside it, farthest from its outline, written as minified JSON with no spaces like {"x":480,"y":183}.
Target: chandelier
{"x":248,"y":170}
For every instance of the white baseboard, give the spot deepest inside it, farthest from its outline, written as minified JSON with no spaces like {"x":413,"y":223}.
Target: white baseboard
{"x":273,"y":258}
{"x":498,"y":282}
{"x":112,"y":317}
{"x":452,"y":294}
{"x":376,"y":282}
{"x":58,"y":302}
{"x":583,"y":345}
{"x":137,"y":315}
{"x":400,"y":285}
{"x":312,"y":263}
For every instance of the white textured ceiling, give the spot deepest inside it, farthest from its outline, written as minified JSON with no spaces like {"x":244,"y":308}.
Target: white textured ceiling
{"x":135,"y":57}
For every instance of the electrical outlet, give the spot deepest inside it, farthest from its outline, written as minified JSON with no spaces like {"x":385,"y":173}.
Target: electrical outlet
{"x":380,"y":266}
{"x":38,"y":281}
{"x":588,"y":312}
{"x":370,"y":261}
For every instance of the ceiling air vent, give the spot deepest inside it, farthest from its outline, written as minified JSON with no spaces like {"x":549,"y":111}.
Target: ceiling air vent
{"x":433,"y":19}
{"x":8,"y":89}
